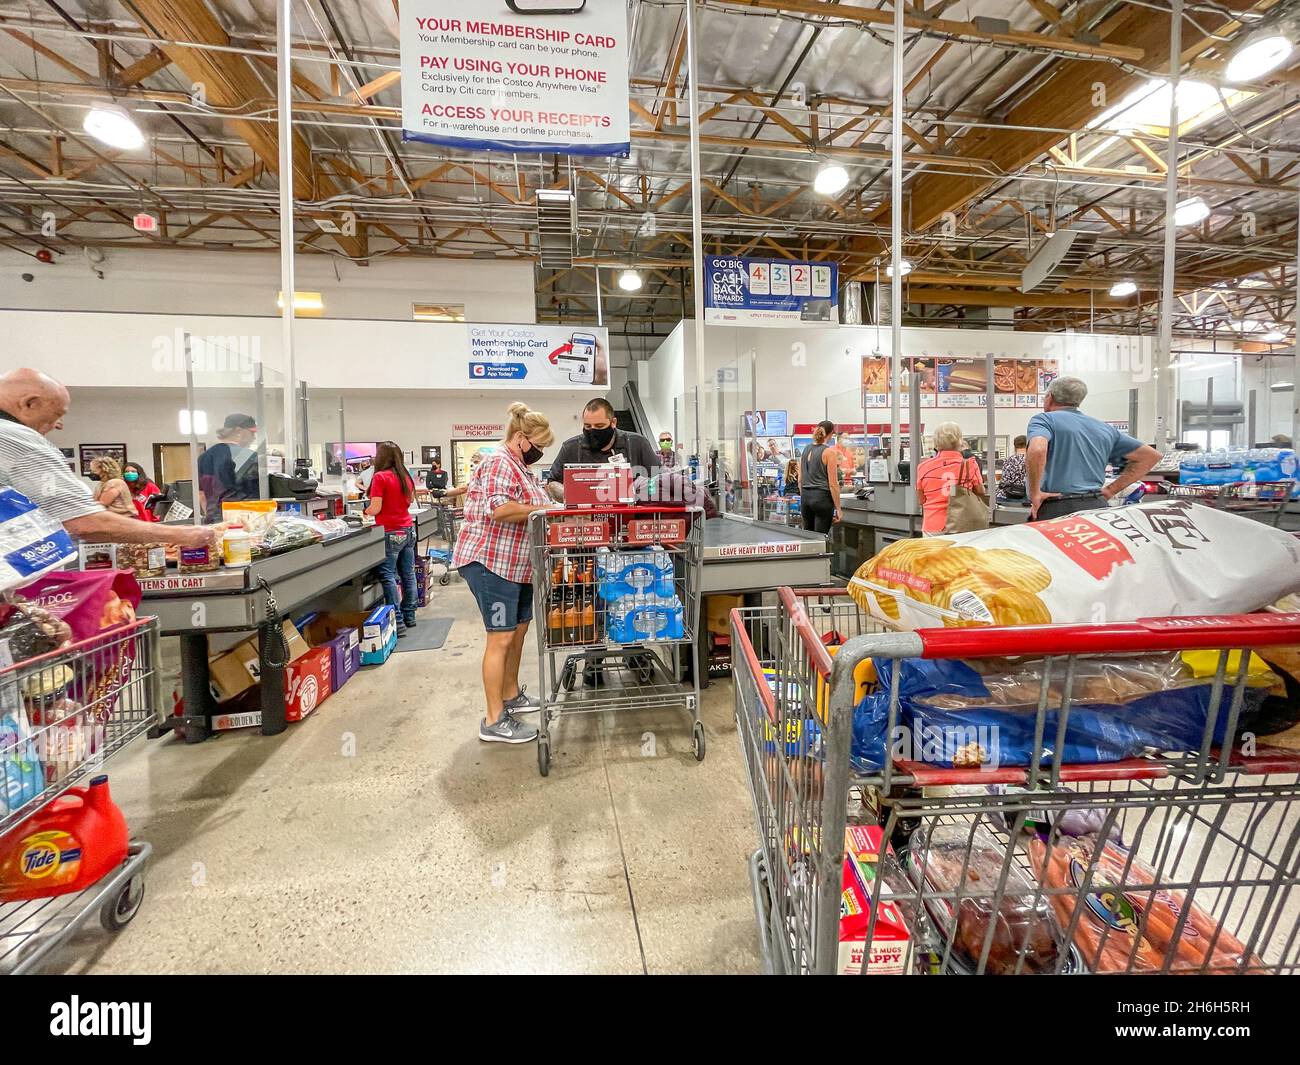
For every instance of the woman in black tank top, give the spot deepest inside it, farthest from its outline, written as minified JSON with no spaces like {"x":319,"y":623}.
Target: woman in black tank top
{"x":819,"y":481}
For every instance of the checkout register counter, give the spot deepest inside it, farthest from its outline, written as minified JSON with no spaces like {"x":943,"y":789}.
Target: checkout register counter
{"x":329,"y":576}
{"x":892,"y":513}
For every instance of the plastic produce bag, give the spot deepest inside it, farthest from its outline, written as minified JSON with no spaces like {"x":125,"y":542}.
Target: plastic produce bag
{"x":1126,"y":924}
{"x":31,"y":542}
{"x":288,"y":532}
{"x":983,"y":712}
{"x":954,"y":860}
{"x":1170,"y":557}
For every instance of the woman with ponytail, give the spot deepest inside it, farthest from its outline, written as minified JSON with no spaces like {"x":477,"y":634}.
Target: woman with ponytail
{"x":492,"y":555}
{"x":819,"y":481}
{"x":391,"y":490}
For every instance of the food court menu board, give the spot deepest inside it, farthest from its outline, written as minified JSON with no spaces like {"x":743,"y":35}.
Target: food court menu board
{"x":955,"y":382}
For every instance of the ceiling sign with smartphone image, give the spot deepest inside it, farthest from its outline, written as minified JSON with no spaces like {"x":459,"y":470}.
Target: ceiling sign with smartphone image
{"x":538,"y":356}
{"x":516,"y":75}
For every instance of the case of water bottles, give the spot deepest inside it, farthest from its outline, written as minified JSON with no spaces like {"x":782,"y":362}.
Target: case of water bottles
{"x":641,"y":603}
{"x":1240,"y":465}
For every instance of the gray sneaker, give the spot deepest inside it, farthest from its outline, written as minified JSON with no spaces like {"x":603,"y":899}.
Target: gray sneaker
{"x":506,"y":730}
{"x":523,"y":702}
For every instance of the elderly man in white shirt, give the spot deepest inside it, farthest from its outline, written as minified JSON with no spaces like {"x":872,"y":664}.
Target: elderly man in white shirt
{"x":33,"y":404}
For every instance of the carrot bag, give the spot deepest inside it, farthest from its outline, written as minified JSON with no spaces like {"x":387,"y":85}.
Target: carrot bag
{"x":1126,"y":925}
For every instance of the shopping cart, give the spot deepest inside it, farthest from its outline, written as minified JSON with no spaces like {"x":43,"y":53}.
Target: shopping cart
{"x":617,"y":601}
{"x":437,"y":556}
{"x":62,"y":716}
{"x":1264,"y":501}
{"x":1170,"y":861}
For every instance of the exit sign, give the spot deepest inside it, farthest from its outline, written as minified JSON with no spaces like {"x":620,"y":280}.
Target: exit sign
{"x":145,"y":223}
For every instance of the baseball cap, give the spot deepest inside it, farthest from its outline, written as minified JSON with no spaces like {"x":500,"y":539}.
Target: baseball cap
{"x":239,"y":421}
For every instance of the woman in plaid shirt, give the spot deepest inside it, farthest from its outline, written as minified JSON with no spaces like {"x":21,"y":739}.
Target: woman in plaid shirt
{"x":491,"y":553}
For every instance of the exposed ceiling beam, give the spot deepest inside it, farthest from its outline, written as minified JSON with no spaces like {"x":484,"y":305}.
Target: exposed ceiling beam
{"x":949,"y":28}
{"x":230,"y":81}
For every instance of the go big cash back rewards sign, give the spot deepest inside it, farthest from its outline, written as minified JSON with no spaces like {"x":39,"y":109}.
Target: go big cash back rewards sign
{"x":516,"y":75}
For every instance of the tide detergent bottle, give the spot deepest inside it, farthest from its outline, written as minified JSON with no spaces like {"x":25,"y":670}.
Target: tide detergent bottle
{"x":78,"y":839}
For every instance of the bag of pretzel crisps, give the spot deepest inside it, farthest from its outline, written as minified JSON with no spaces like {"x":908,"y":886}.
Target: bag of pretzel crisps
{"x":1171,"y":557}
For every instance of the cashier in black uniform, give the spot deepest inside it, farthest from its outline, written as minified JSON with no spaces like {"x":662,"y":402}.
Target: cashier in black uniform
{"x":602,"y":441}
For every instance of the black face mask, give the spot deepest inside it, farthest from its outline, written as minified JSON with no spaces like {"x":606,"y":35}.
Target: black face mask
{"x":598,"y":439}
{"x":532,"y":454}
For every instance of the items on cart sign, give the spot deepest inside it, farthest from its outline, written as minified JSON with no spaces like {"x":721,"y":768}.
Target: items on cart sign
{"x":516,"y":75}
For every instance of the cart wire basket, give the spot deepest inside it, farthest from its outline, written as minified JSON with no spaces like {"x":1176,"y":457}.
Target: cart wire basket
{"x":1182,"y":861}
{"x":1264,"y":501}
{"x":63,"y":715}
{"x":617,"y":600}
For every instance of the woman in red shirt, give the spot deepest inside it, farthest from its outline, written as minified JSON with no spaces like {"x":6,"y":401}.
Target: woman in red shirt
{"x":391,"y":491}
{"x":937,"y":476}
{"x":142,"y":489}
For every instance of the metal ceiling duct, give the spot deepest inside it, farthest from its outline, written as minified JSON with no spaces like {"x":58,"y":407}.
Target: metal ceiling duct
{"x":1056,"y":259}
{"x":557,"y":227}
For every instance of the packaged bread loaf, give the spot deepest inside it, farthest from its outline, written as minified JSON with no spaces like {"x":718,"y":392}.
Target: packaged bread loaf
{"x":1170,"y":557}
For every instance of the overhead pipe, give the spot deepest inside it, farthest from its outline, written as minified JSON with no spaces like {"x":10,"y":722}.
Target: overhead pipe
{"x":1164,"y":344}
{"x":284,"y":90}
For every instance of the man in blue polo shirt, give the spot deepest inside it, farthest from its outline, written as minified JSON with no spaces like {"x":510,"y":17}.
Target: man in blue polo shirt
{"x":1069,"y":452}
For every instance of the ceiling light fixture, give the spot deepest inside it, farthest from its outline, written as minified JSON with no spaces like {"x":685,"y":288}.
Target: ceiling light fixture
{"x":1260,"y":52}
{"x":1120,"y":289}
{"x":113,"y":125}
{"x":630,"y":281}
{"x":904,"y":268}
{"x":1273,"y":336}
{"x":831,"y":180}
{"x":1190,"y":211}
{"x":1282,"y":386}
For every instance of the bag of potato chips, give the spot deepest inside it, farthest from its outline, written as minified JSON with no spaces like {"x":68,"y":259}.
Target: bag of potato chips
{"x":1171,"y":557}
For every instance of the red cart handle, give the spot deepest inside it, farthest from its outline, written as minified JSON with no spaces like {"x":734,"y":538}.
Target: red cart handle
{"x":1200,"y":633}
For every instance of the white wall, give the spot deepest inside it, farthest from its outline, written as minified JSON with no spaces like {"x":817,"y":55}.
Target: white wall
{"x":659,"y":381}
{"x":246,"y":283}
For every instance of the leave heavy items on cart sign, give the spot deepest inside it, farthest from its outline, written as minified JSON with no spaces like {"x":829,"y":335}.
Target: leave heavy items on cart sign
{"x":617,"y":594}
{"x":1183,"y":860}
{"x":62,"y":716}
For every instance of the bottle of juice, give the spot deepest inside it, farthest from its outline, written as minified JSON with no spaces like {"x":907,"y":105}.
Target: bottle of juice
{"x":589,"y":615}
{"x":572,"y":618}
{"x":555,"y":620}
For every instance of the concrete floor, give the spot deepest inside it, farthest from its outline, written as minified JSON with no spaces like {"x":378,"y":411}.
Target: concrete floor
{"x":426,"y":850}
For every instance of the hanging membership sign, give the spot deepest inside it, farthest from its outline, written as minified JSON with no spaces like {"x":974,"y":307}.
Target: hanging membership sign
{"x":516,"y":75}
{"x":537,"y":356}
{"x":769,"y":292}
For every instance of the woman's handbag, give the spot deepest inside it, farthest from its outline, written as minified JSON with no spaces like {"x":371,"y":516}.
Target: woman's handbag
{"x":967,"y":512}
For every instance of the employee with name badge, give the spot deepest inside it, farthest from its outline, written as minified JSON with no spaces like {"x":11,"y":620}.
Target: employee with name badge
{"x":601,"y":442}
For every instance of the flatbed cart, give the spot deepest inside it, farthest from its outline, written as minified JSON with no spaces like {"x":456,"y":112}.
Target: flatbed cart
{"x":74,"y":709}
{"x":1263,"y":501}
{"x":448,"y":517}
{"x":1170,"y":861}
{"x":616,"y":595}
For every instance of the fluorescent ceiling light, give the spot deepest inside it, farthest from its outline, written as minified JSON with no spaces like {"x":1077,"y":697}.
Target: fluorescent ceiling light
{"x":1273,"y":336}
{"x":831,"y":179}
{"x":113,"y":125}
{"x":1190,"y":211}
{"x":1259,"y":53}
{"x":197,"y":421}
{"x":904,"y":268}
{"x":1120,"y":289}
{"x":302,"y":301}
{"x":1282,"y":386}
{"x":630,"y":281}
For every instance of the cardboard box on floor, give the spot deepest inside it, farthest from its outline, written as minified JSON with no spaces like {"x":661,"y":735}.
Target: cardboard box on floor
{"x":718,"y":610}
{"x":376,"y":629}
{"x":308,"y":682}
{"x":237,"y":670}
